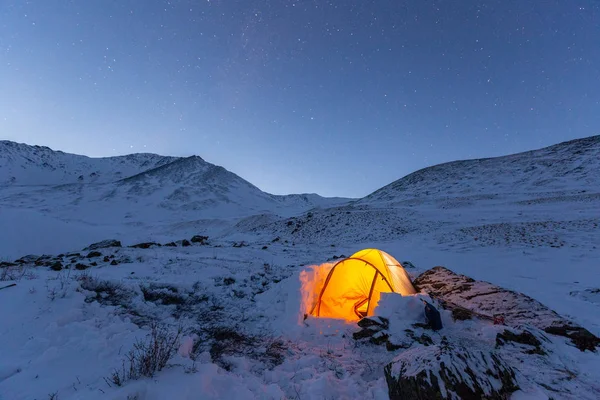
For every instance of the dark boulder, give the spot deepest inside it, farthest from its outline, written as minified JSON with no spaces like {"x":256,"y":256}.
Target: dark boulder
{"x":94,"y":254}
{"x":81,"y":267}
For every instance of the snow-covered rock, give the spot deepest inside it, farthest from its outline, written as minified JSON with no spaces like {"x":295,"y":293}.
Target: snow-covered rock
{"x":465,"y":295}
{"x":448,"y":371}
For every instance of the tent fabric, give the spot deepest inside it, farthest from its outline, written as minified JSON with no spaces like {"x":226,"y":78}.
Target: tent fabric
{"x":354,"y":285}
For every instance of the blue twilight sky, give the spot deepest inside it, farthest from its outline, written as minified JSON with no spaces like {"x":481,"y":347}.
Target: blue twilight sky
{"x":334,"y":97}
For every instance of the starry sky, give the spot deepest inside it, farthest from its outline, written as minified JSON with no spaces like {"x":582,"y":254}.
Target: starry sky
{"x":333,"y":97}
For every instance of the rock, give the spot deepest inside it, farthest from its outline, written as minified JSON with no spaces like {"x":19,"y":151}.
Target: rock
{"x":5,"y":264}
{"x":200,"y":239}
{"x":185,"y":243}
{"x":424,"y":339}
{"x":265,"y":247}
{"x":379,"y":338}
{"x":81,"y":267}
{"x":582,"y":338}
{"x":57,"y":266}
{"x":106,"y":259}
{"x":103,"y":244}
{"x":145,"y":245}
{"x":94,"y":254}
{"x":240,"y":244}
{"x":374,"y":321}
{"x":171,"y":244}
{"x":75,"y":254}
{"x":460,"y":314}
{"x":93,"y":264}
{"x":365,"y":333}
{"x":29,"y":259}
{"x":229,"y":281}
{"x":487,"y":300}
{"x":447,"y":371}
{"x":527,"y":338}
{"x":114,"y":262}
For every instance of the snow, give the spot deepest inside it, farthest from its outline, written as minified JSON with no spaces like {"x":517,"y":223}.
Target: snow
{"x":62,"y":334}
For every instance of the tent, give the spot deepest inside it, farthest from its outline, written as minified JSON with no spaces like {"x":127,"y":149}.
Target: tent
{"x":354,"y":285}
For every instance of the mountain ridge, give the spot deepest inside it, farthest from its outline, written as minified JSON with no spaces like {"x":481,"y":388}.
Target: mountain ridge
{"x":527,"y":164}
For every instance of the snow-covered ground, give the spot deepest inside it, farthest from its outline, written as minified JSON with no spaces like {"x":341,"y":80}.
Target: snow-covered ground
{"x":238,"y":298}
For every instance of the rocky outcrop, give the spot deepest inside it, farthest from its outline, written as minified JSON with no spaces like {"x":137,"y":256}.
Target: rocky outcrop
{"x":467,"y":298}
{"x":447,"y":371}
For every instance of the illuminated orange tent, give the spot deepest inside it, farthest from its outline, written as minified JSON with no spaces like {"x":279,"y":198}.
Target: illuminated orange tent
{"x":354,"y":285}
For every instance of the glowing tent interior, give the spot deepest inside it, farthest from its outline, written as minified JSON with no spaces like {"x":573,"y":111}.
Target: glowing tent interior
{"x":354,"y":285}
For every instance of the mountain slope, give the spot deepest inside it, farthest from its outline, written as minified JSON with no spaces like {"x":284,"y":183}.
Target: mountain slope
{"x":569,"y":166}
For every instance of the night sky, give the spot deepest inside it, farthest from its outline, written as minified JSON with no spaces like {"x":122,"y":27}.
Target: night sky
{"x":338,"y":98}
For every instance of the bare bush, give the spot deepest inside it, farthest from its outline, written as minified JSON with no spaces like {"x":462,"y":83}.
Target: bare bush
{"x":58,"y":286}
{"x":148,"y":356}
{"x":15,"y":273}
{"x":106,"y":292}
{"x":232,"y":341}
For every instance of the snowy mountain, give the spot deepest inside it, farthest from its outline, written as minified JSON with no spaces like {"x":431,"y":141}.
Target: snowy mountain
{"x":570,"y":167}
{"x":21,"y":164}
{"x":140,"y":196}
{"x":537,"y":198}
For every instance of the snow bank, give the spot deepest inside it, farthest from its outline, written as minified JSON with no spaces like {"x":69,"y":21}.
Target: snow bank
{"x":31,"y":232}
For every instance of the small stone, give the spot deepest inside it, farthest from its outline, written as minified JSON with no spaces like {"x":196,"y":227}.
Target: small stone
{"x":200,"y":239}
{"x":114,"y":262}
{"x":81,"y":267}
{"x":57,"y":266}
